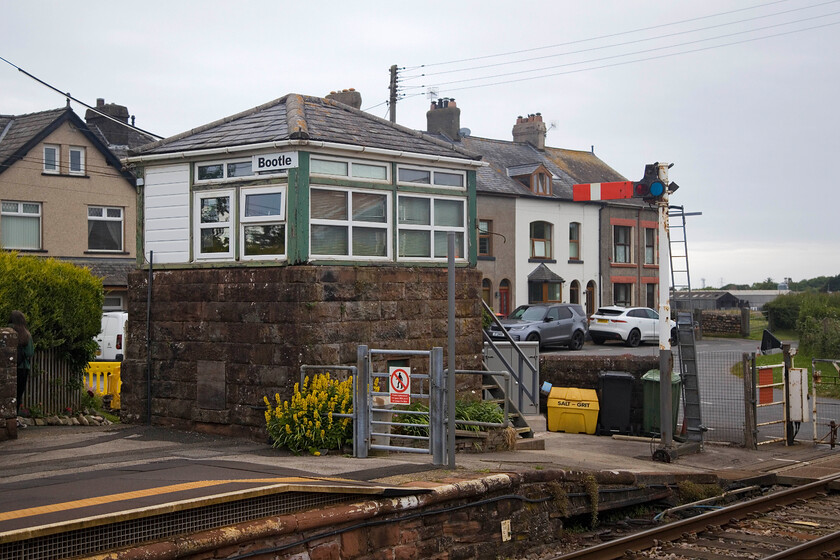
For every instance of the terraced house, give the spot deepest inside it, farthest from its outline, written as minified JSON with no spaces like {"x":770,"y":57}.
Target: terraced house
{"x":285,"y":235}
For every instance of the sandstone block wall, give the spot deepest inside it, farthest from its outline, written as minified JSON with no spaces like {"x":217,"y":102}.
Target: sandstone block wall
{"x":223,"y":338}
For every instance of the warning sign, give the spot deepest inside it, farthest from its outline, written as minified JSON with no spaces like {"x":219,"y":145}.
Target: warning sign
{"x":400,"y":385}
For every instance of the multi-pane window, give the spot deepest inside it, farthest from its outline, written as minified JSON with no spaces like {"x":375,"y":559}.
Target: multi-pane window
{"x":622,"y":294}
{"x":349,"y":168}
{"x":485,"y":239}
{"x":650,"y":246}
{"x":434,"y":177}
{"x":262,"y":223}
{"x":105,"y":228}
{"x":424,"y":223}
{"x":622,"y":236}
{"x":545,"y":292}
{"x":574,"y":241}
{"x":541,"y":184}
{"x":52,"y":153}
{"x":540,"y":240}
{"x":77,"y":160}
{"x":214,"y":214}
{"x":21,"y":225}
{"x":224,"y":170}
{"x":349,"y":223}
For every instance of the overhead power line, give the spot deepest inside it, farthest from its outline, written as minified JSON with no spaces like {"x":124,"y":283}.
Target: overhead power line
{"x":68,"y":96}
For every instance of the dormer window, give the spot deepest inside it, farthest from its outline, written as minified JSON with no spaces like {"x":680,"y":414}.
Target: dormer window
{"x":535,"y":177}
{"x":541,"y":183}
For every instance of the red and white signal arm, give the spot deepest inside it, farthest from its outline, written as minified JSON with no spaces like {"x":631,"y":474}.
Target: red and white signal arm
{"x":602,"y":191}
{"x":400,"y":385}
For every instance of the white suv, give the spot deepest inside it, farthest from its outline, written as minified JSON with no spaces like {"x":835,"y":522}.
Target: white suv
{"x":631,"y":325}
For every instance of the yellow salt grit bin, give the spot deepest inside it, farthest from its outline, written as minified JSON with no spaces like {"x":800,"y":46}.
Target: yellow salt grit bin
{"x":572,"y":410}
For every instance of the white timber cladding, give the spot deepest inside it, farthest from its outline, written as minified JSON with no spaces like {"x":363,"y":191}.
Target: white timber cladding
{"x":167,"y":213}
{"x":559,"y":214}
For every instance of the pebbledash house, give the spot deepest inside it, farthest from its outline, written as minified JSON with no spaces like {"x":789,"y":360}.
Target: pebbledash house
{"x":285,"y":235}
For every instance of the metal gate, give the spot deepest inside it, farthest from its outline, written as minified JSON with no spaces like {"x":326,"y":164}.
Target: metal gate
{"x":372,"y":428}
{"x":826,"y":412}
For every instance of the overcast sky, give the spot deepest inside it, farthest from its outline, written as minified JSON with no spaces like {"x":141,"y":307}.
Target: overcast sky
{"x":742,"y":96}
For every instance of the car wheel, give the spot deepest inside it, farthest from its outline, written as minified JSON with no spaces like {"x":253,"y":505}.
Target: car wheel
{"x":675,"y":337}
{"x":534,"y":337}
{"x":597,"y":339}
{"x":634,"y":338}
{"x":576,"y":343}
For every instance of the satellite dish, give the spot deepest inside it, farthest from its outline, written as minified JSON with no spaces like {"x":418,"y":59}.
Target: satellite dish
{"x":464,"y":132}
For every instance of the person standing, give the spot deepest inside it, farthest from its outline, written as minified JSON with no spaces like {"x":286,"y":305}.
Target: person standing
{"x":25,"y":351}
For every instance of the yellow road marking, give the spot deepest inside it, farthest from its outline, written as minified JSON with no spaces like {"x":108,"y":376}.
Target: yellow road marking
{"x":87,"y":502}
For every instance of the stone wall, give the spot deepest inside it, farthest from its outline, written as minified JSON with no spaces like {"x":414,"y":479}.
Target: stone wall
{"x":8,"y":384}
{"x":725,"y":323}
{"x":583,"y":372}
{"x":223,"y":338}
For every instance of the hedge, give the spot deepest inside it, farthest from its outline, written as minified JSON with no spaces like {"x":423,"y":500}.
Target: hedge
{"x":62,"y":303}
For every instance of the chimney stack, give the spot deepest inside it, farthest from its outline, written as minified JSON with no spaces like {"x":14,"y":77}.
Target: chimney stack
{"x":115,"y":134}
{"x":444,"y":117}
{"x":530,"y":129}
{"x":348,"y":97}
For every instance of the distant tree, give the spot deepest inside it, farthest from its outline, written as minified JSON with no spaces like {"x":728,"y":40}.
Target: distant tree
{"x":768,"y":284}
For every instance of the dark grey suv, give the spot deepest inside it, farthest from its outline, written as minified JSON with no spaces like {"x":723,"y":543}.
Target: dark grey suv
{"x":559,"y":323}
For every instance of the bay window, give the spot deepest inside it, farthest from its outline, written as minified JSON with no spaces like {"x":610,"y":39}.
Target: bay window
{"x":424,"y":223}
{"x":349,"y":223}
{"x":105,"y":228}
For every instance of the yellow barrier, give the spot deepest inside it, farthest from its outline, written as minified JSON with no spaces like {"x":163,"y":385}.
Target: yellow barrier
{"x":103,"y":378}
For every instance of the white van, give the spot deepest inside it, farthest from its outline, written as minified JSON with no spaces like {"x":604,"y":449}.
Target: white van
{"x":111,"y":340}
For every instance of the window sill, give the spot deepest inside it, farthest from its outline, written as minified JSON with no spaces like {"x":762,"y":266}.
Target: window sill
{"x":486,"y":258}
{"x":623,"y":265}
{"x":26,"y":250}
{"x":107,"y":253}
{"x":575,"y":261}
{"x":539,"y":260}
{"x":651,"y":266}
{"x":71,"y":175}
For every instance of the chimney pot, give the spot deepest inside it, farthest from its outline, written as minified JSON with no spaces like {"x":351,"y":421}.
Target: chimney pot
{"x":100,"y":101}
{"x":530,"y":129}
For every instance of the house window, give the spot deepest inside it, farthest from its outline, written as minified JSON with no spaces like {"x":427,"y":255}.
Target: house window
{"x":622,"y":294}
{"x":21,"y":225}
{"x":410,"y":175}
{"x":51,"y":158}
{"x":650,"y":246}
{"x":224,"y":170}
{"x":347,"y":223}
{"x":574,"y":241}
{"x":349,"y":168}
{"x":541,"y":184}
{"x":214,"y":213}
{"x":424,"y":223}
{"x":112,"y":303}
{"x":545,"y":292}
{"x":77,"y":160}
{"x":262,"y":224}
{"x":650,"y":295}
{"x":485,"y":239}
{"x":540,"y":240}
{"x":105,"y":228}
{"x":621,"y":244}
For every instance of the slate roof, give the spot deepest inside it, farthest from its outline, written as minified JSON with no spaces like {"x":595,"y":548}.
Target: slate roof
{"x":20,"y":133}
{"x":113,"y":271}
{"x":134,"y":139}
{"x":299,"y":117}
{"x":18,"y":130}
{"x":568,"y":167}
{"x":543,"y":274}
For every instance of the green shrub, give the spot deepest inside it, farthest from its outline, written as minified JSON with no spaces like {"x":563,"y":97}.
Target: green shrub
{"x":62,"y":303}
{"x":783,"y":312}
{"x":473,"y":411}
{"x":820,"y":337}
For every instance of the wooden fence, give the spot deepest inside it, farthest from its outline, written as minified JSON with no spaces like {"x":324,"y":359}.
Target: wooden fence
{"x":53,"y":388}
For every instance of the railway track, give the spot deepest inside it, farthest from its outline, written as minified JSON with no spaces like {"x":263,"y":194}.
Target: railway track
{"x":801,"y":522}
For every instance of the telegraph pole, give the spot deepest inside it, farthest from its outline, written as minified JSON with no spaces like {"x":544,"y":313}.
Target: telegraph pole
{"x":392,"y":101}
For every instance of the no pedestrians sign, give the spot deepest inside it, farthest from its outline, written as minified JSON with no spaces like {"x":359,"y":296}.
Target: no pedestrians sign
{"x":400,"y":381}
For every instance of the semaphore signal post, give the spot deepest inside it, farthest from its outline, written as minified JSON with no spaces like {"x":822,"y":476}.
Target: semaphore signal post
{"x":653,"y":188}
